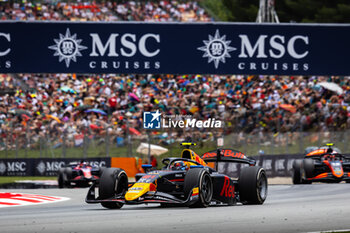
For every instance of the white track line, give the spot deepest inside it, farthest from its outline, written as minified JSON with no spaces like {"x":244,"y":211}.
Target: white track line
{"x":343,"y":230}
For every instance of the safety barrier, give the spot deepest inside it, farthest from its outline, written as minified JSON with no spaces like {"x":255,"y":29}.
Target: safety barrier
{"x":42,"y":167}
{"x":50,"y":167}
{"x":275,"y":165}
{"x":130,"y":165}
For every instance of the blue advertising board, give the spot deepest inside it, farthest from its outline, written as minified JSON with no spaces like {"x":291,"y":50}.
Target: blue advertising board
{"x":44,"y":166}
{"x":177,"y":48}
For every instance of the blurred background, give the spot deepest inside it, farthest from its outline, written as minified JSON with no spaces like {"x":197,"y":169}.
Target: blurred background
{"x":84,"y":115}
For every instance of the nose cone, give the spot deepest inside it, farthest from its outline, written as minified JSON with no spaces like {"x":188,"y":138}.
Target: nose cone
{"x":137,"y":190}
{"x":339,"y":173}
{"x":337,"y":169}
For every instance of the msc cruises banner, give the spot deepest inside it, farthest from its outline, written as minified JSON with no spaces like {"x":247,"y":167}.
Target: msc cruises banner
{"x":191,"y":48}
{"x":43,"y":166}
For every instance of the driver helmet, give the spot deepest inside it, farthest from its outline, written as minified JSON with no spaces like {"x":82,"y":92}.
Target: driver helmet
{"x":180,"y":165}
{"x":333,"y":154}
{"x":83,"y":163}
{"x":330,"y":150}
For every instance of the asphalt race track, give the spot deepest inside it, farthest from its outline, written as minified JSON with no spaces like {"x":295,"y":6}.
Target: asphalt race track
{"x":303,"y":208}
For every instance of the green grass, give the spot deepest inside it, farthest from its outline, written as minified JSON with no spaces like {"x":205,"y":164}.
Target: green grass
{"x":174,"y":151}
{"x":249,"y":145}
{"x":11,"y":179}
{"x":74,"y":152}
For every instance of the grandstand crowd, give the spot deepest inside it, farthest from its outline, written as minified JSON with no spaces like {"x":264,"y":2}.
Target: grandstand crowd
{"x":52,"y":105}
{"x":156,"y":11}
{"x":59,"y":103}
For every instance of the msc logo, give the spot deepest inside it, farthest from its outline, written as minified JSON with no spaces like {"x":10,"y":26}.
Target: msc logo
{"x":67,"y":48}
{"x":41,"y":167}
{"x":217,"y":49}
{"x":151,"y":120}
{"x":2,"y":168}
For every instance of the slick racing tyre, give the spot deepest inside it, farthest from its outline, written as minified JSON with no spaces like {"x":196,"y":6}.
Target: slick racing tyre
{"x":68,"y":172}
{"x":297,"y":171}
{"x":101,"y":171}
{"x":62,"y":178}
{"x":113,"y":181}
{"x":309,"y":167}
{"x":198,"y":177}
{"x":252,"y":185}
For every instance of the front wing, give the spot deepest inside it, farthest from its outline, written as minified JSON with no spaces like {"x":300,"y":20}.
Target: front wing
{"x":329,"y":177}
{"x":149,"y":197}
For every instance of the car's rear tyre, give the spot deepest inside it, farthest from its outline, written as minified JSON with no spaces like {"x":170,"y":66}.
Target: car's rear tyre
{"x":68,"y":176}
{"x":113,"y":181}
{"x":68,"y":171}
{"x":101,"y":171}
{"x":309,"y":167}
{"x":198,"y":177}
{"x":253,"y":185}
{"x":297,"y":171}
{"x":61,"y":178}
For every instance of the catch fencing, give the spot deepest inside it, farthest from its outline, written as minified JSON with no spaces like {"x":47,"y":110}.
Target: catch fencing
{"x":83,"y":142}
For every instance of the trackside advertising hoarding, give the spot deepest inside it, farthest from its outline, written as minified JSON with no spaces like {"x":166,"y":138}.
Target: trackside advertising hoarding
{"x":43,"y":167}
{"x":275,"y":165}
{"x":179,"y":48}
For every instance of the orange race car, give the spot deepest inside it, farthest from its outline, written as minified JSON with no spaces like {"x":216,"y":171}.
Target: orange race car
{"x":186,"y":181}
{"x":325,"y":164}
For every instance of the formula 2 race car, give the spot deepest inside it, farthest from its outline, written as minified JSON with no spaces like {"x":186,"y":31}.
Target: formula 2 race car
{"x":186,"y":181}
{"x":325,"y":164}
{"x":78,"y":175}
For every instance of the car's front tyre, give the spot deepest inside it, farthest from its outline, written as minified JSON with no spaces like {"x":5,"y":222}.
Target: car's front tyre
{"x":253,"y":185}
{"x":198,"y":177}
{"x":113,"y":181}
{"x":296,"y":177}
{"x":309,"y":167}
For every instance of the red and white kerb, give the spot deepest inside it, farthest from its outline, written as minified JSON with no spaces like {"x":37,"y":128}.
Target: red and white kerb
{"x":21,"y":199}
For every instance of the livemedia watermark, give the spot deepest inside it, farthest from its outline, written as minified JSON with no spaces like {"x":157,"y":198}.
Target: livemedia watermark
{"x":155,"y":120}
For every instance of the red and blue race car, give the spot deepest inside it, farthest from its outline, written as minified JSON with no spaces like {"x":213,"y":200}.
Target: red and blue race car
{"x":190,"y":180}
{"x":78,"y":175}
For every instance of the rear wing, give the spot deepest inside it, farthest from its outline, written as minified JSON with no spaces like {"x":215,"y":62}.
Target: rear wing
{"x":320,"y":152}
{"x":227,"y":155}
{"x":319,"y":156}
